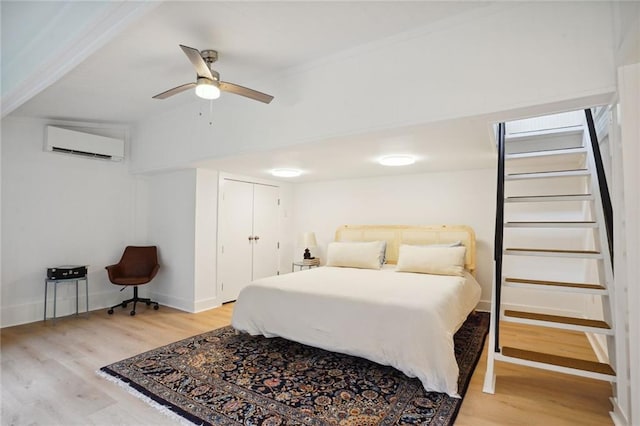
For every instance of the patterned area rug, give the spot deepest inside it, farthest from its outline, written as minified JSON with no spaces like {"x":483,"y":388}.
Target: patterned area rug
{"x":220,"y":378}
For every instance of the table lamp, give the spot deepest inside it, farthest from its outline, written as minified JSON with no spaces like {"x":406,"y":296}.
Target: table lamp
{"x":308,"y":239}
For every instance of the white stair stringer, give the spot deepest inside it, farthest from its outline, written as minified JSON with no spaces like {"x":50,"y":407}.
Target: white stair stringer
{"x":489,"y":385}
{"x":615,"y":347}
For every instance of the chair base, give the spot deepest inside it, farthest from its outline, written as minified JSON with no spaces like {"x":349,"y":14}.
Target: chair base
{"x":135,"y":299}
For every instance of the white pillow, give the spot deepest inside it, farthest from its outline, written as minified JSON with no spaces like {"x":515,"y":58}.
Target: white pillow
{"x":431,"y":260}
{"x":367,"y":255}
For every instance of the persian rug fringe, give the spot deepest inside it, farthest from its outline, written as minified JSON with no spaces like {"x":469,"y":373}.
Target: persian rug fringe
{"x":160,"y":407}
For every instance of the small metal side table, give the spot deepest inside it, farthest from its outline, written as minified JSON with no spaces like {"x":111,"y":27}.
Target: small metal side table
{"x":301,"y":264}
{"x":55,"y":283}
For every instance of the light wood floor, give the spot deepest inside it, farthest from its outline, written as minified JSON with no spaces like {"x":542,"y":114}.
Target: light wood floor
{"x":48,"y":373}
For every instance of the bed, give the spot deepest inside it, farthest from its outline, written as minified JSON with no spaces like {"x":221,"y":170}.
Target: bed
{"x":403,"y":319}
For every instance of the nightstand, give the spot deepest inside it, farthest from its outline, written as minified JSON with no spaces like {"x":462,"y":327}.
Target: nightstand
{"x":307,"y":263}
{"x":58,"y":281}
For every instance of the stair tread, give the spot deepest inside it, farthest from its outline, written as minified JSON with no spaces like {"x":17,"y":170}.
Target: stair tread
{"x":549,"y":196}
{"x":528,"y":134}
{"x":554,"y":250}
{"x":561,"y":361}
{"x":558,"y":319}
{"x":550,"y":224}
{"x":550,"y":221}
{"x":548,"y":171}
{"x":551,"y":151}
{"x":555,"y":283}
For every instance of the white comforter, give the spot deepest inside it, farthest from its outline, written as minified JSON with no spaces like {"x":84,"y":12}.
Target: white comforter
{"x":401,"y":319}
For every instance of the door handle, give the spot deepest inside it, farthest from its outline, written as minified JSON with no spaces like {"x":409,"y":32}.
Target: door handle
{"x":256,"y":238}
{"x":250,"y":238}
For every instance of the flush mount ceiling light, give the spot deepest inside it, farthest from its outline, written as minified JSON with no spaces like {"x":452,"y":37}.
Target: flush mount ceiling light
{"x":207,"y":89}
{"x":397,"y":160}
{"x":286,"y":173}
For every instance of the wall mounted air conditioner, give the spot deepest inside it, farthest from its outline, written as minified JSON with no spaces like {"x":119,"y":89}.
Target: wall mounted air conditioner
{"x":63,"y":140}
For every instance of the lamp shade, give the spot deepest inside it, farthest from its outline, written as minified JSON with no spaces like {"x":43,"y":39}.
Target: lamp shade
{"x":308,"y":239}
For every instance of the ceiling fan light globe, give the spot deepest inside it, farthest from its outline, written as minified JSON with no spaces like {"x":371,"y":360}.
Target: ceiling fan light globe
{"x":207,"y":89}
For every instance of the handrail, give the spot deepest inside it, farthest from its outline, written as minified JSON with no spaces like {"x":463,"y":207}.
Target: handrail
{"x":602,"y":180}
{"x":498,"y":243}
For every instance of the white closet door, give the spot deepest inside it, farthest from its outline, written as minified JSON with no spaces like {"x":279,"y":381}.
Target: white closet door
{"x":235,"y":228}
{"x":265,"y":231}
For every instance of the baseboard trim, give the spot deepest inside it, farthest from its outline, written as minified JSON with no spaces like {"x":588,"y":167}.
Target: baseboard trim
{"x":65,"y":305}
{"x":617,"y":415}
{"x":206,"y":304}
{"x":484,"y":306}
{"x":172,"y":301}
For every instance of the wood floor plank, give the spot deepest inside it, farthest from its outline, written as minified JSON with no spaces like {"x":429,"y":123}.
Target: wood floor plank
{"x":73,"y":394}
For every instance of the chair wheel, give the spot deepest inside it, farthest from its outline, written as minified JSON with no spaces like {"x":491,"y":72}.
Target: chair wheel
{"x":148,"y":303}
{"x":110,"y":311}
{"x":132,"y":313}
{"x":156,"y":307}
{"x":124,"y":305}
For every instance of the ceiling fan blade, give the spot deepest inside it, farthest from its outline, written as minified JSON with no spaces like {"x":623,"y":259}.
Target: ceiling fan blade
{"x":174,"y":91}
{"x":244,"y":91}
{"x":202,"y":69}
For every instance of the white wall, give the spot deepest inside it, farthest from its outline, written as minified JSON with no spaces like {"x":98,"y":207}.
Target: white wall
{"x":288,"y":235}
{"x":183,"y":214}
{"x":206,"y":215}
{"x":626,"y":28}
{"x":56,"y":210}
{"x":1,"y":233}
{"x":463,"y":197}
{"x":501,"y":58}
{"x":172,"y":226}
{"x":628,"y":245}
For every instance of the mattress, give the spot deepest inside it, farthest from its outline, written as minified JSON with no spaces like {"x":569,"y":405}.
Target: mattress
{"x":405,"y":320}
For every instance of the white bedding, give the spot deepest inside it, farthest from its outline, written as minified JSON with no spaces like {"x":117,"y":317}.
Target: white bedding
{"x":401,"y":319}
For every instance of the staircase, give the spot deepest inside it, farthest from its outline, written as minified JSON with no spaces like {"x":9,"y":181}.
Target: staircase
{"x":550,"y":163}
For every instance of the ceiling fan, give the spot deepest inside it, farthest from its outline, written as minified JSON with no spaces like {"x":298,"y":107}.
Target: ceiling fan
{"x":208,"y":84}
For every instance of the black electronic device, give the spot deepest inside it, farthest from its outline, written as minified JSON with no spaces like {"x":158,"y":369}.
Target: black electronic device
{"x":66,"y":272}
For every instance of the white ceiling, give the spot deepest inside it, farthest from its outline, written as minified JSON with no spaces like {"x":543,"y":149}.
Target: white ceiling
{"x":255,"y":40}
{"x":258,"y":41}
{"x":446,"y":145}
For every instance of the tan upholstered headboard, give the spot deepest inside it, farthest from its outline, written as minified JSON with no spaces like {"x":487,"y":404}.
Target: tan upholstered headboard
{"x":395,"y":235}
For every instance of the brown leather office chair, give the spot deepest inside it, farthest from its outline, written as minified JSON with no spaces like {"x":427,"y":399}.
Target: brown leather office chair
{"x":137,"y":266}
